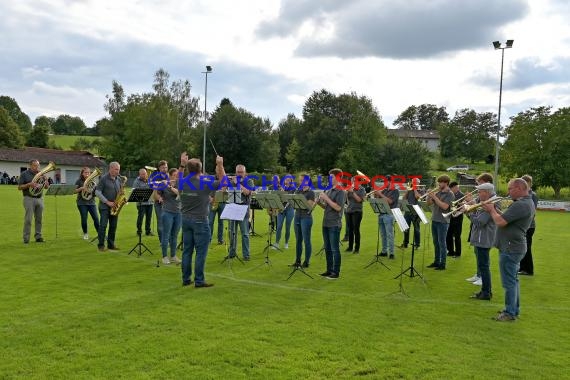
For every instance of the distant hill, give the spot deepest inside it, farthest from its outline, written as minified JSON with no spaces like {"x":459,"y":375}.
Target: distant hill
{"x":67,"y":141}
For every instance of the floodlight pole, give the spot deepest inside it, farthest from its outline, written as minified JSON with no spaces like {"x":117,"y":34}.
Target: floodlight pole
{"x":208,"y":71}
{"x":498,"y":46}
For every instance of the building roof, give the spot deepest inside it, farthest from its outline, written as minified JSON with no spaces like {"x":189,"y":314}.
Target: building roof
{"x":59,"y":157}
{"x":413,"y":133}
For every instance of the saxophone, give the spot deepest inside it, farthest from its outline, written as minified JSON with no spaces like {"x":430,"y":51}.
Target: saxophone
{"x":121,"y":199}
{"x":89,"y":185}
{"x":40,"y":180}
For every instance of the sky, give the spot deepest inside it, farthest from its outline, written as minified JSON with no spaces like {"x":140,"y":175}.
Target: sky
{"x":268,"y":56}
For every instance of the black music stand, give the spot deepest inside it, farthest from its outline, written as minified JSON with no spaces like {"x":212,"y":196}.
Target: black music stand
{"x":298,"y":202}
{"x":254,"y":205}
{"x":140,"y":195}
{"x":234,"y":213}
{"x":269,"y":201}
{"x":413,"y":271}
{"x":379,"y":205}
{"x":56,"y":190}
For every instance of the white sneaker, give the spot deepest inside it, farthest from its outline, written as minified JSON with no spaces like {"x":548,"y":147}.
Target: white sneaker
{"x":174,"y":259}
{"x":274,"y":246}
{"x":165,"y":260}
{"x":85,"y":236}
{"x":286,"y":245}
{"x":473,"y":278}
{"x":479,"y":282}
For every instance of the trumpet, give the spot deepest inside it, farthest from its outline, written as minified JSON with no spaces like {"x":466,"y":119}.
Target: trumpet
{"x":462,"y":199}
{"x":425,"y":196}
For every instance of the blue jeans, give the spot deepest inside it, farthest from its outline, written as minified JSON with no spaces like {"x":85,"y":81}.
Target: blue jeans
{"x":439,"y":235}
{"x":170,"y":229}
{"x":195,"y":234}
{"x":244,"y":228}
{"x":286,"y":216}
{"x":212,"y":217}
{"x":483,"y":267}
{"x":331,"y":238}
{"x":107,"y":218}
{"x":303,"y":235}
{"x":92,"y":210}
{"x":387,"y":232}
{"x":509,"y":264}
{"x":414,"y":220}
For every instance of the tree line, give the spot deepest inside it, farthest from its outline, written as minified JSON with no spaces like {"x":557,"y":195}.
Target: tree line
{"x":334,"y":130}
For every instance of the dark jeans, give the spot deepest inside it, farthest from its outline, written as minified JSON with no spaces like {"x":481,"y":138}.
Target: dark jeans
{"x":483,"y":267}
{"x":171,"y":228}
{"x":438,"y":234}
{"x":144,"y":211}
{"x":353,"y":229}
{"x":92,"y":210}
{"x":453,"y":238}
{"x":213,"y":214}
{"x":196,"y":235}
{"x":331,"y":238}
{"x":107,"y":218}
{"x":412,"y":220}
{"x":527,"y":264}
{"x":303,"y":235}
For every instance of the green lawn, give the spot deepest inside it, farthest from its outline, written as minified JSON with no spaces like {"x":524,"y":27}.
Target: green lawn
{"x":68,"y":311}
{"x":67,"y":141}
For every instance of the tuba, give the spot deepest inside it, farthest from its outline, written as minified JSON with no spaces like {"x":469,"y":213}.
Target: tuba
{"x":40,"y":180}
{"x":121,"y":199}
{"x":89,"y":185}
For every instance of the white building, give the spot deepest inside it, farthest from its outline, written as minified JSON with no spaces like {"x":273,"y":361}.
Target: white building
{"x":68,"y":162}
{"x":429,"y":138}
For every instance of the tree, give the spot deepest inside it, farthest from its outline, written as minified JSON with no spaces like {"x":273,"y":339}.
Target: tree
{"x":10,"y":134}
{"x":537,"y":143}
{"x":39,"y":137}
{"x":476,"y":133}
{"x":14,"y":111}
{"x":402,"y":157}
{"x":45,"y":121}
{"x":423,"y":117}
{"x":69,"y":125}
{"x":286,"y":131}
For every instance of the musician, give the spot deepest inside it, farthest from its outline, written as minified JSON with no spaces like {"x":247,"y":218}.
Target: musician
{"x":411,"y":197}
{"x":386,"y":220}
{"x":511,"y":241}
{"x":353,"y":215}
{"x":144,"y":208}
{"x":171,"y":218}
{"x":453,"y":237}
{"x":33,"y":205}
{"x":527,"y":265}
{"x":107,"y":190}
{"x":303,"y":225}
{"x":195,"y":227}
{"x":333,"y":202}
{"x":216,"y":209}
{"x":243,"y":197}
{"x":482,"y":238}
{"x":86,"y":206}
{"x":441,"y":201}
{"x":286,"y":215}
{"x":163,"y":169}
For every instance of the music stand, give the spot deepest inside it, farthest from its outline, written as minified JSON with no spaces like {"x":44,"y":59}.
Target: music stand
{"x":56,"y":190}
{"x":416,"y":212}
{"x":269,"y":201}
{"x":254,"y":205}
{"x":379,"y":206}
{"x":140,"y":195}
{"x":234,"y":213}
{"x":298,"y":202}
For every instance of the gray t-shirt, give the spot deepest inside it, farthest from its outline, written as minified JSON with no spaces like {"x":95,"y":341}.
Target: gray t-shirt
{"x":333,"y":218}
{"x":170,"y":200}
{"x":26,"y":177}
{"x":437,"y":213}
{"x":394,"y":195}
{"x":310,"y":196}
{"x":353,"y":205}
{"x":195,"y":201}
{"x":80,"y":200}
{"x":512,"y":237}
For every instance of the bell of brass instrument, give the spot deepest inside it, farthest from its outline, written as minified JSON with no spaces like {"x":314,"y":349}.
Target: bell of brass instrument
{"x":89,"y":185}
{"x":425,"y":196}
{"x":150,"y":170}
{"x":121,"y":199}
{"x":39,"y":179}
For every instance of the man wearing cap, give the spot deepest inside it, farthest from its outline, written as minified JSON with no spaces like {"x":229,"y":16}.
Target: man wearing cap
{"x":482,"y":237}
{"x":511,"y":241}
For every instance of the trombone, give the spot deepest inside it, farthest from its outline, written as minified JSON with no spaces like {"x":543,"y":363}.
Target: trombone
{"x":466,"y":209}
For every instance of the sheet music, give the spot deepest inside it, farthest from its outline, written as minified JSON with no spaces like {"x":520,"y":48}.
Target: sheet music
{"x":400,"y":220}
{"x":420,"y":213}
{"x":233,"y":211}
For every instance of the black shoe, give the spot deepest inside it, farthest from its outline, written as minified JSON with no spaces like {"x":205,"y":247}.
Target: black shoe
{"x":187,"y":283}
{"x":356,"y":252}
{"x":40,"y":240}
{"x":440,"y":267}
{"x":451,"y":254}
{"x":433,"y":265}
{"x":296,"y":264}
{"x":481,"y":296}
{"x":332,"y":276}
{"x":102,"y":248}
{"x":149,"y":234}
{"x":524,"y":273}
{"x":404,"y":245}
{"x":113,"y":248}
{"x":221,"y":242}
{"x":383,"y":254}
{"x":348,"y":250}
{"x":325,"y":274}
{"x":203,"y":285}
{"x":246,"y":258}
{"x":26,"y":241}
{"x":392,"y":257}
{"x":305,"y":264}
{"x":344,"y":239}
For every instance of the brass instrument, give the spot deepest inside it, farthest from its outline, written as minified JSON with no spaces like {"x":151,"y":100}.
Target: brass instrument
{"x":462,"y":199}
{"x":466,"y":209}
{"x":150,"y":170}
{"x":39,"y":180}
{"x":89,"y":185}
{"x":121,"y":199}
{"x":425,"y":196}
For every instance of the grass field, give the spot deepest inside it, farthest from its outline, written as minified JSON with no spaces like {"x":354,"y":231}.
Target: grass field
{"x":68,"y":311}
{"x":67,"y":141}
